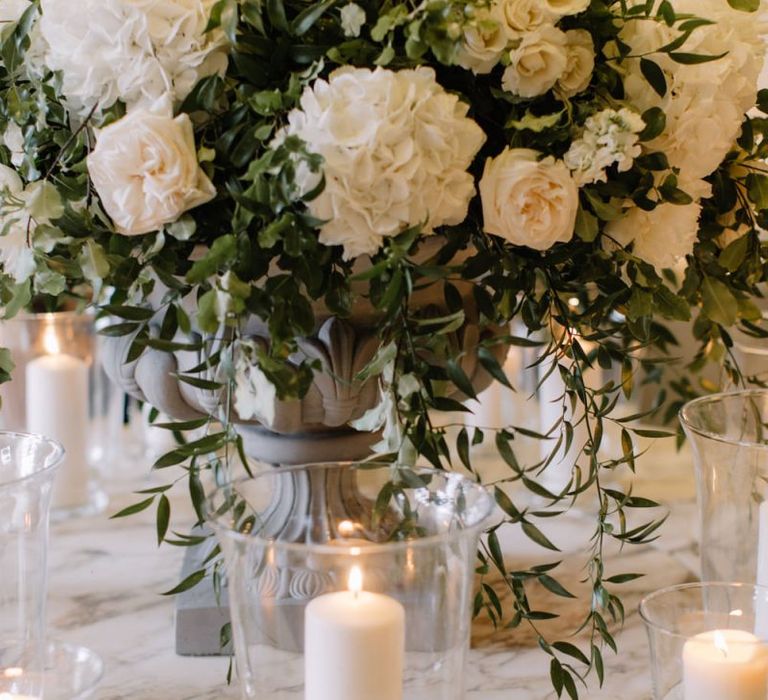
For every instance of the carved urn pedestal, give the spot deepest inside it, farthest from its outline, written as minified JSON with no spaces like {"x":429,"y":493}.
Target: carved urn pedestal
{"x":314,"y":429}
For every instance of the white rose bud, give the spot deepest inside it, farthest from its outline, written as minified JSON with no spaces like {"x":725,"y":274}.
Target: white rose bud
{"x":581,"y":62}
{"x":537,"y":63}
{"x":484,"y":44}
{"x":352,"y":19}
{"x":527,"y":201}
{"x":145,"y":169}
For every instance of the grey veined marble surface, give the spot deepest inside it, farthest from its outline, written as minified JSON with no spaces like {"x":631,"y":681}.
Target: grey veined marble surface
{"x":106,"y":577}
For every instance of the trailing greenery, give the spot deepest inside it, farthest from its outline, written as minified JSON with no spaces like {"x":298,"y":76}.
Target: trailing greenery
{"x":254,"y":250}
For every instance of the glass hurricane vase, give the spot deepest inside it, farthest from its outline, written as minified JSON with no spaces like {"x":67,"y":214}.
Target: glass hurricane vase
{"x":350,"y":581}
{"x":27,"y":467}
{"x":729,"y":437}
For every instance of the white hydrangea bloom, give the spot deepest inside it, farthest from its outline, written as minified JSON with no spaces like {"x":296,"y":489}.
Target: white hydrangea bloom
{"x":396,"y":148}
{"x":610,"y":137}
{"x":704,"y":106}
{"x":352,"y":19}
{"x":661,"y":237}
{"x":16,"y":256}
{"x":137,"y":51}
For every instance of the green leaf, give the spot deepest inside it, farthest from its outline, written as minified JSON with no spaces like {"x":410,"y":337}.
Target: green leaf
{"x":719,"y":303}
{"x":136,"y":508}
{"x":745,"y":5}
{"x":555,"y":587}
{"x":533,"y":533}
{"x":654,"y":75}
{"x":460,"y":379}
{"x":190,"y":582}
{"x":163,"y":518}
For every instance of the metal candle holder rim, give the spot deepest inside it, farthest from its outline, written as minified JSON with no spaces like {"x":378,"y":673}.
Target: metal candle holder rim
{"x":57,"y":455}
{"x":642,"y":607}
{"x":215,"y":522}
{"x":712,"y":398}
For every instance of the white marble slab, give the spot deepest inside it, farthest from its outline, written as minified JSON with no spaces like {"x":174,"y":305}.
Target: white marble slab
{"x":106,"y":577}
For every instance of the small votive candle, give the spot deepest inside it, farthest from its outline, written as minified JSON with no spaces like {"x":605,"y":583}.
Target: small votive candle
{"x":725,"y":665}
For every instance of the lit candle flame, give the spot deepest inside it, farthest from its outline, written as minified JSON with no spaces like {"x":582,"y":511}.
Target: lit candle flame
{"x":13,"y":672}
{"x":346,"y":528}
{"x":736,"y":613}
{"x":51,"y":343}
{"x":355,"y":581}
{"x":720,"y":643}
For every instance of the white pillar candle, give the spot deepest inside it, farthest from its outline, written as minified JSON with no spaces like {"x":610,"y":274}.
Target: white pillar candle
{"x":57,"y":407}
{"x":725,"y":665}
{"x":761,"y":604}
{"x":551,"y":392}
{"x":354,"y":645}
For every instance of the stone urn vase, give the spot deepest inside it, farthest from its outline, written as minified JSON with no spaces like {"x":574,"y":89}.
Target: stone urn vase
{"x":311,"y":430}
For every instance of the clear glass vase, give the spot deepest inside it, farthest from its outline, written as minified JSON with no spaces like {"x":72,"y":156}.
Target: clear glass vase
{"x":27,"y":467}
{"x":729,"y":437}
{"x":59,"y":389}
{"x":350,"y":582}
{"x":703,"y":641}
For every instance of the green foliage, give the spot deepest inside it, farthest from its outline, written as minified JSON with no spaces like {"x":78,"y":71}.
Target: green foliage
{"x":254,"y":252}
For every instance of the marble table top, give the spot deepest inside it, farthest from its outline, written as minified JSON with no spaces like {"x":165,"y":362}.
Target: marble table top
{"x":107,"y":576}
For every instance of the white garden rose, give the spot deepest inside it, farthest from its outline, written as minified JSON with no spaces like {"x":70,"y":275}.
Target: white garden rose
{"x":135,"y":51}
{"x":145,"y":169}
{"x":580,"y":64}
{"x":522,"y":16}
{"x":16,"y":256}
{"x":527,"y":201}
{"x":484,"y":44}
{"x":537,"y":63}
{"x":396,"y":149}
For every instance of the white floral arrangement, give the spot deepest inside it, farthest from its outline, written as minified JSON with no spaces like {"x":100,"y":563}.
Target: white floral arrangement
{"x":253,"y":157}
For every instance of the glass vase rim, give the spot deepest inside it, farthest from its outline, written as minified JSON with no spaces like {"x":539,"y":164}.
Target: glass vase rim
{"x":691,"y":585}
{"x":58,"y":452}
{"x":337,"y":548}
{"x":715,"y":398}
{"x":86,"y":316}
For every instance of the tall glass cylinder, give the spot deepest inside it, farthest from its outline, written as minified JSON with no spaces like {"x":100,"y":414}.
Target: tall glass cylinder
{"x":58,"y":389}
{"x":27,"y":467}
{"x":729,"y":436}
{"x":350,"y":581}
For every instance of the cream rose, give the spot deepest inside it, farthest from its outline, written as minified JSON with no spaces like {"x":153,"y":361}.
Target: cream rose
{"x":580,"y":64}
{"x":145,"y":169}
{"x":485,"y":43}
{"x":527,"y":201}
{"x":537,"y":63}
{"x":522,"y":16}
